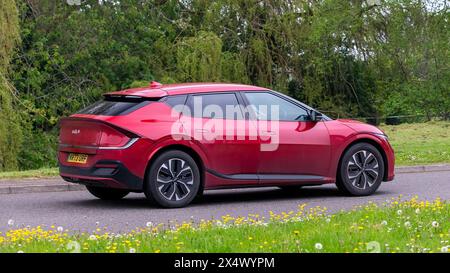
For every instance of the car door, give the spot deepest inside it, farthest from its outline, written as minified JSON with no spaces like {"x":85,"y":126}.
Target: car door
{"x":220,"y":129}
{"x":297,"y":149}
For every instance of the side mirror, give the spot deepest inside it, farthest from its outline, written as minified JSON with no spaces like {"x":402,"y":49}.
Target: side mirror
{"x":316,"y":116}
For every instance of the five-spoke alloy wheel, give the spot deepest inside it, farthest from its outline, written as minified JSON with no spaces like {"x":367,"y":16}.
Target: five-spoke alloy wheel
{"x":173,"y":179}
{"x":361,"y":170}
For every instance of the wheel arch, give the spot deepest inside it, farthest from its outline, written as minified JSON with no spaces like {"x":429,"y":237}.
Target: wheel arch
{"x":180,"y":147}
{"x":373,"y":143}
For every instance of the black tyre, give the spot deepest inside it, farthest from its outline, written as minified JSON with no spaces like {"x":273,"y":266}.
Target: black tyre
{"x":173,"y":180}
{"x":107,"y":193}
{"x":361,"y":170}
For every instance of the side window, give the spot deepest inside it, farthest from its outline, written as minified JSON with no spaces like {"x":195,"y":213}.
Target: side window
{"x":176,"y":101}
{"x":220,"y":106}
{"x":271,"y":107}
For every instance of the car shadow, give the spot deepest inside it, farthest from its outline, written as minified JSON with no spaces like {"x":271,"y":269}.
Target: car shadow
{"x":217,"y":197}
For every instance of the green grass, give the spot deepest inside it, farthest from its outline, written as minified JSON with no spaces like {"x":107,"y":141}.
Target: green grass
{"x":398,"y":226}
{"x":44,"y":172}
{"x":420,"y":143}
{"x":414,"y":144}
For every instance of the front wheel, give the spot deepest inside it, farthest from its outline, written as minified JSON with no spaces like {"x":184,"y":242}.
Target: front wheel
{"x":361,"y":170}
{"x":173,"y":180}
{"x":107,"y":193}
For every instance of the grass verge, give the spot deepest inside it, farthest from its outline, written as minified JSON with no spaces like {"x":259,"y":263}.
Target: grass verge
{"x":44,"y":172}
{"x":420,"y":143}
{"x":397,"y":226}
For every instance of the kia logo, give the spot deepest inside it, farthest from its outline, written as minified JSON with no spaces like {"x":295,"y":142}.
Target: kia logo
{"x":75,"y":131}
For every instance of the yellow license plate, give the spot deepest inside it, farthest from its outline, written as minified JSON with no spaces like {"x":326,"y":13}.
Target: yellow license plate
{"x":77,"y":158}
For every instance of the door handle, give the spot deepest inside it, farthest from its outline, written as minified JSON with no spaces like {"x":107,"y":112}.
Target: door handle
{"x":202,"y":131}
{"x":269,"y":133}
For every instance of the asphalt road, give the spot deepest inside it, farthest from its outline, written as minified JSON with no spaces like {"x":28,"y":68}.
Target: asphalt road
{"x":79,"y":211}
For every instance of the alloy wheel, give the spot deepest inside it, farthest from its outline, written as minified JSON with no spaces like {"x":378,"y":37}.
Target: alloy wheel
{"x":175,"y":179}
{"x":362,"y":169}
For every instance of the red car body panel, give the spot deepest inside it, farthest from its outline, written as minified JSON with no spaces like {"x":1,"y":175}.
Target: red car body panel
{"x":308,"y":152}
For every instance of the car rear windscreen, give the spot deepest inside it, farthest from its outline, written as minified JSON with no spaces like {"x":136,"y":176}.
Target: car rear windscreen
{"x":114,"y":106}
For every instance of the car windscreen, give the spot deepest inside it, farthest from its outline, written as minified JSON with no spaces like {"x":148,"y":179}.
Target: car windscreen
{"x":114,"y":106}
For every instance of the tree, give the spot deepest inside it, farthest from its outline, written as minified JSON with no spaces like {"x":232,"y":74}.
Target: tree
{"x":10,"y":134}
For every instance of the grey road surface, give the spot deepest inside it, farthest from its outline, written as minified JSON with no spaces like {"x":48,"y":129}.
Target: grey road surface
{"x":79,"y":211}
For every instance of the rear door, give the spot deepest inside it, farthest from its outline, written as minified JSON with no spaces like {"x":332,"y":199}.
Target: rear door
{"x":219,"y":127}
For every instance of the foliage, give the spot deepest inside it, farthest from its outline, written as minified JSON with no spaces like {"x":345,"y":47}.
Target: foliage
{"x":396,"y":226}
{"x":346,"y":58}
{"x":10,"y":133}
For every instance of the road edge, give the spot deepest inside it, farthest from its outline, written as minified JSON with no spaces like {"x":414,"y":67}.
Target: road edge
{"x":61,"y":186}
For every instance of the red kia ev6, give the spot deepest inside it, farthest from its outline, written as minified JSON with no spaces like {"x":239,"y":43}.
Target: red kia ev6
{"x":174,"y":141}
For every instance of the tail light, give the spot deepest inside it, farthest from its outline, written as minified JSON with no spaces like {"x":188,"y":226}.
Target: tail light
{"x":113,"y":139}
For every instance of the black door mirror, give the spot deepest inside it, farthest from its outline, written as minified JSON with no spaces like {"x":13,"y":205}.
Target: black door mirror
{"x":316,"y":116}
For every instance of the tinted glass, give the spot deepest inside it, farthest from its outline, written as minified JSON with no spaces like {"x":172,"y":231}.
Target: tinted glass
{"x":215,"y":106}
{"x":114,"y":107}
{"x":175,"y":100}
{"x":264,"y":104}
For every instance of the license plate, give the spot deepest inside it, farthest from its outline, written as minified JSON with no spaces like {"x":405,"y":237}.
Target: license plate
{"x":77,"y":158}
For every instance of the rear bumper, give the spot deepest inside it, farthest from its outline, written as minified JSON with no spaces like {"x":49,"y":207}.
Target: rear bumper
{"x":115,"y":168}
{"x":105,"y":173}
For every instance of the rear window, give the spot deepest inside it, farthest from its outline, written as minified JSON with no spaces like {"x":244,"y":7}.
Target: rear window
{"x":114,"y":106}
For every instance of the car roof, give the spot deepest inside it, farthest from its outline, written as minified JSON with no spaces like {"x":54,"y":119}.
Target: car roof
{"x":156,"y":90}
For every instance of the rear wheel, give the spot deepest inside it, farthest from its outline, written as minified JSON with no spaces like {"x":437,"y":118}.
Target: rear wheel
{"x":361,"y":170}
{"x":173,"y":180}
{"x":107,"y":193}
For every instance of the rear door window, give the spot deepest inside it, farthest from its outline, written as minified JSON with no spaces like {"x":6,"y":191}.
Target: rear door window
{"x":219,"y":106}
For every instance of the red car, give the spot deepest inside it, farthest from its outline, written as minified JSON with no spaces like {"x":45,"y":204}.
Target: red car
{"x":174,"y":141}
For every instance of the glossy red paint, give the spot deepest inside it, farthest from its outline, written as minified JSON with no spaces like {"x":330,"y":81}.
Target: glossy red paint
{"x":311,"y":149}
{"x":155,"y":90}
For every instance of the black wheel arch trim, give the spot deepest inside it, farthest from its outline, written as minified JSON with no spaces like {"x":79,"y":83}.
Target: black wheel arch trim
{"x":284,"y":177}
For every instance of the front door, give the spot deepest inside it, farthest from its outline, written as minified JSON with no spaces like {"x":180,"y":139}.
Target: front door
{"x":293,"y":148}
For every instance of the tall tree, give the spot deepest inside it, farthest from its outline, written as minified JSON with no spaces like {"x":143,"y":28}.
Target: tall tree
{"x":10,"y":134}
